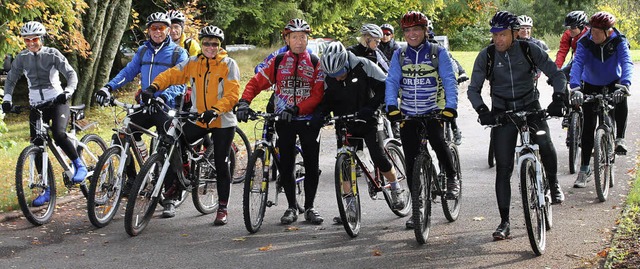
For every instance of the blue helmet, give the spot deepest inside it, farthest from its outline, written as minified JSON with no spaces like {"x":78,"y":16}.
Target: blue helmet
{"x":504,"y":20}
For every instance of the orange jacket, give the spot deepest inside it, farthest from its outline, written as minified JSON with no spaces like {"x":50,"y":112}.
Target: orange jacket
{"x":215,"y":85}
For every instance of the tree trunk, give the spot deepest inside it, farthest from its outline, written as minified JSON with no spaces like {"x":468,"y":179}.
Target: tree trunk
{"x":104,"y":22}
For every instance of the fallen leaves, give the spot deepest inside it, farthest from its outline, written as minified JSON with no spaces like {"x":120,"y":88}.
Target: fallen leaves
{"x":291,"y":229}
{"x":478,"y":218}
{"x":603,"y":253}
{"x":377,"y":252}
{"x":266,"y":248}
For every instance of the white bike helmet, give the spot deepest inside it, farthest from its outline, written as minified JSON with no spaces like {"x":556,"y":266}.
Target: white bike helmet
{"x":388,"y":27}
{"x":372,"y":30}
{"x":334,"y":58}
{"x":296,"y":25}
{"x":176,"y":16}
{"x":158,"y":17}
{"x":525,"y":20}
{"x":211,"y":31}
{"x":33,"y":28}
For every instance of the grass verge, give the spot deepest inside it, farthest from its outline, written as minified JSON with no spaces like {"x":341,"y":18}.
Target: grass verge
{"x":625,"y":246}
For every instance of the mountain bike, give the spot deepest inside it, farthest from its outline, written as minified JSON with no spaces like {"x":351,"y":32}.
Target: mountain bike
{"x":263,"y":169}
{"x":346,"y":181}
{"x":34,"y":172}
{"x":116,"y":168}
{"x":196,"y":175}
{"x":428,"y":182}
{"x":574,"y":120}
{"x":534,"y":185}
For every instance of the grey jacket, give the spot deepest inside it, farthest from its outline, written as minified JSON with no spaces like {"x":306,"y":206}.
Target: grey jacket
{"x":41,"y":70}
{"x":512,"y":85}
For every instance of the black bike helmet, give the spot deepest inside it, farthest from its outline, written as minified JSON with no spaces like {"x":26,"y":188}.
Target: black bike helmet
{"x":504,"y":20}
{"x":576,"y":18}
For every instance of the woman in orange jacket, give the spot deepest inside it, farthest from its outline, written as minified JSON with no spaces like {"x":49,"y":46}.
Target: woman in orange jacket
{"x":214,"y":79}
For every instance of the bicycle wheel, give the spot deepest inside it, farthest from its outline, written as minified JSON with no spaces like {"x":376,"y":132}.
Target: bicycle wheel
{"x":141,"y":204}
{"x":574,"y":135}
{"x":256,"y":190}
{"x":490,"y":153}
{"x":423,"y":177}
{"x":90,"y":156}
{"x":347,"y":194}
{"x":396,"y":157}
{"x":105,"y":190}
{"x":602,"y":163}
{"x":242,"y":150}
{"x":205,"y":190}
{"x":451,"y":207}
{"x":533,"y":213}
{"x":30,"y":184}
{"x":298,"y":175}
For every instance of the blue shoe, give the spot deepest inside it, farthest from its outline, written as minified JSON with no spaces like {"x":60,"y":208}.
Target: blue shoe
{"x":42,"y":198}
{"x":80,"y":171}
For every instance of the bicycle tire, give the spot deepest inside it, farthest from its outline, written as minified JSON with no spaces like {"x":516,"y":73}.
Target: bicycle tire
{"x":423,"y":177}
{"x":396,"y":157}
{"x":105,"y":190}
{"x":574,"y":135}
{"x":533,"y":214}
{"x":451,"y":207}
{"x":242,"y":150}
{"x":299,"y":175}
{"x":205,"y":190}
{"x":490,"y":152}
{"x":135,"y":220}
{"x":256,"y":191}
{"x":26,"y":193}
{"x":602,"y":165}
{"x":97,"y":147}
{"x":348,"y":200}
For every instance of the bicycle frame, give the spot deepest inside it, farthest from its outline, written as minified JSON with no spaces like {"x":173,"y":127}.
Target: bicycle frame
{"x":527,"y":150}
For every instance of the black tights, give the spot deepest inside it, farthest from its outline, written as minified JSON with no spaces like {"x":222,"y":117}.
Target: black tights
{"x":59,"y":116}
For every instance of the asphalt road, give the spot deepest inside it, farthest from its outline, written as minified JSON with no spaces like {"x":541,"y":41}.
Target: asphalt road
{"x":582,"y":225}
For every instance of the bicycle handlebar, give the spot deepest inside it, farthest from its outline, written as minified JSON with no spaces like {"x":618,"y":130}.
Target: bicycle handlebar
{"x":115,"y":102}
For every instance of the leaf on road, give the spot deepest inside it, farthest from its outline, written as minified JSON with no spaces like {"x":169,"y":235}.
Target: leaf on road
{"x":478,"y":218}
{"x":603,"y":253}
{"x":291,"y":229}
{"x":184,"y":235}
{"x":239,"y":239}
{"x":266,"y":248}
{"x":377,"y":252}
{"x":574,"y":256}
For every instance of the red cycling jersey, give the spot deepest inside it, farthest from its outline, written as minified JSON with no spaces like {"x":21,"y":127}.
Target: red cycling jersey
{"x":564,"y":45}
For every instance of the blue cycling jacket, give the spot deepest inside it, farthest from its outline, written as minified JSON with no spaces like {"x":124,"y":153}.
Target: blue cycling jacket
{"x":149,"y":65}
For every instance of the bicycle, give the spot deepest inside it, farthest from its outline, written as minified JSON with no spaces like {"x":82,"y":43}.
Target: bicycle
{"x":534,"y":185}
{"x":34,"y":172}
{"x":346,"y":181}
{"x":242,"y":152}
{"x":428,"y":182}
{"x":116,"y":168}
{"x":574,"y":119}
{"x":196,"y":175}
{"x":603,"y":151}
{"x":262,"y":169}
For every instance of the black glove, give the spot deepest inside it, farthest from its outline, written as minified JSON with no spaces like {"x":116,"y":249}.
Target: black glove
{"x":103,"y":96}
{"x":485,"y":116}
{"x":242,"y":110}
{"x":577,"y":98}
{"x":61,"y":98}
{"x":365,"y":113}
{"x":289,"y":113}
{"x":449,"y":113}
{"x":147,"y":94}
{"x":620,"y":93}
{"x":208,"y":116}
{"x":159,"y":105}
{"x":557,"y":107}
{"x":6,"y":107}
{"x":318,"y":120}
{"x":394,"y":114}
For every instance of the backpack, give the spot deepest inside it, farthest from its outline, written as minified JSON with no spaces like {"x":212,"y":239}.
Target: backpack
{"x":314,"y":61}
{"x":187,"y":44}
{"x":174,"y":57}
{"x":491,"y":54}
{"x":433,"y":53}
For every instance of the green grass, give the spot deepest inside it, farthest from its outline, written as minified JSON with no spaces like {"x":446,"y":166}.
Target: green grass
{"x":627,"y":232}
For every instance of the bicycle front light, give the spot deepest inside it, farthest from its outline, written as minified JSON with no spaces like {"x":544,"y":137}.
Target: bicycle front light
{"x":171,"y":113}
{"x":541,"y":132}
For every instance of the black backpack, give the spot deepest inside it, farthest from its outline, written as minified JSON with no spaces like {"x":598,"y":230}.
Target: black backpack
{"x":314,"y":61}
{"x":174,"y":57}
{"x":491,"y":55}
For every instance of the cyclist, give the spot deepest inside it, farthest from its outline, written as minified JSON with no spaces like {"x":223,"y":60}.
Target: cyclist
{"x":422,"y":91}
{"x":526,"y":25}
{"x":299,"y":89}
{"x":216,"y":86}
{"x":387,"y":44}
{"x":179,"y":37}
{"x":576,"y":24}
{"x":356,"y":85}
{"x":512,"y":88}
{"x":367,"y":46}
{"x":156,"y":55}
{"x":602,"y":59}
{"x":42,"y":65}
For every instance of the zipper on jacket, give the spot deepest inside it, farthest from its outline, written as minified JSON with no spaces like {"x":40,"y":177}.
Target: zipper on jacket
{"x":513,"y":94}
{"x":295,"y":79}
{"x":415,"y":76}
{"x":204,"y":84}
{"x":153,"y":56}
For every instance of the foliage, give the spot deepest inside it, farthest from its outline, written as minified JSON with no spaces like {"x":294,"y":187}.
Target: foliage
{"x":470,"y":38}
{"x":627,"y":18}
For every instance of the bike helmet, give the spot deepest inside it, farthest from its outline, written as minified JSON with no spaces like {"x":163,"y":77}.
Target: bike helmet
{"x":33,"y":28}
{"x":334,"y":58}
{"x":296,"y":25}
{"x":211,"y":31}
{"x":158,"y":17}
{"x":387,"y":26}
{"x":525,"y":20}
{"x":575,"y":18}
{"x":176,"y":16}
{"x":372,"y":30}
{"x":602,"y":20}
{"x":413,"y":18}
{"x":504,"y":20}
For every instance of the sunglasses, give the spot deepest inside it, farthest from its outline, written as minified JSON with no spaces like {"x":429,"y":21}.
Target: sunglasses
{"x":156,"y":28}
{"x":387,"y":34}
{"x":32,"y":40}
{"x":210,"y":44}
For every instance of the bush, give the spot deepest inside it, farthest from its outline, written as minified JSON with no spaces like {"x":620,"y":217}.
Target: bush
{"x":471,"y":38}
{"x":552,"y":40}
